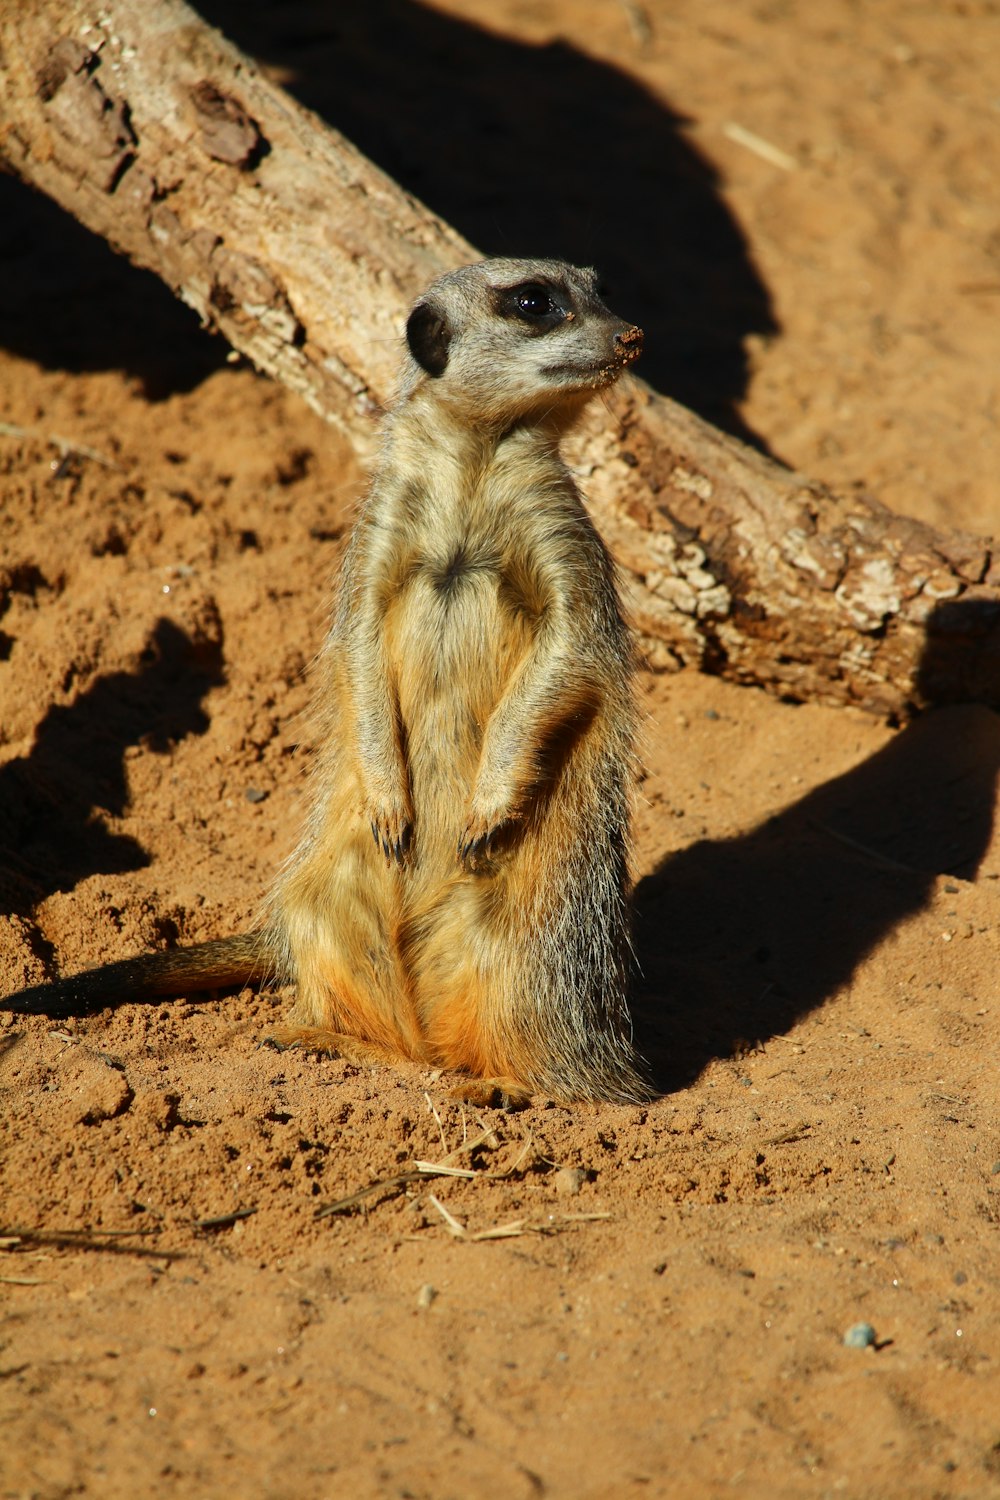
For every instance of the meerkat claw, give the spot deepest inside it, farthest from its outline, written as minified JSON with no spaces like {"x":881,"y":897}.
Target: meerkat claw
{"x":469,"y":850}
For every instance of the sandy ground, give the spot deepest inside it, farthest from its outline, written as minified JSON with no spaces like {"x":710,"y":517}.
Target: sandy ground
{"x":817,"y":893}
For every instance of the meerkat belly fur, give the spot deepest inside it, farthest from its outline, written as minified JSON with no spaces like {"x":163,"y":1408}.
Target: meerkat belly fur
{"x":460,"y":892}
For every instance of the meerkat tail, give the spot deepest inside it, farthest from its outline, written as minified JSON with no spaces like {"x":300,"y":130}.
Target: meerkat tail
{"x":220,"y":964}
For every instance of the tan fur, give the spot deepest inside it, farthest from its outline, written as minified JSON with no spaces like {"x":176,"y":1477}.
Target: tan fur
{"x":459,"y":894}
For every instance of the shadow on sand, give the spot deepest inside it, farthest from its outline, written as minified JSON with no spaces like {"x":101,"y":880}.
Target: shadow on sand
{"x":52,"y":832}
{"x":738,"y":938}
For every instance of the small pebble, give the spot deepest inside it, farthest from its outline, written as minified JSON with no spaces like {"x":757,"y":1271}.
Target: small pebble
{"x":426,"y":1296}
{"x":569,"y":1181}
{"x":995,"y":1169}
{"x":860,"y":1336}
{"x":255,"y":794}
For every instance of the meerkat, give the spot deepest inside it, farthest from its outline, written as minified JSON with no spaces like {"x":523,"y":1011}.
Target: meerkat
{"x":459,"y":895}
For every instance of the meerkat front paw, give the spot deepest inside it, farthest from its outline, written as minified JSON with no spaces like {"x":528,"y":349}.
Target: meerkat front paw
{"x":479,"y":839}
{"x":474,"y":841}
{"x":392,"y":830}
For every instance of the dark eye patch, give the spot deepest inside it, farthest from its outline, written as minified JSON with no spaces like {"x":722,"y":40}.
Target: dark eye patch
{"x":538,"y":304}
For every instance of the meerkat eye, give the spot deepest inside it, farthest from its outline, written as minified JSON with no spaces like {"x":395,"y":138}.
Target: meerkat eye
{"x":537,"y":306}
{"x":534,"y":302}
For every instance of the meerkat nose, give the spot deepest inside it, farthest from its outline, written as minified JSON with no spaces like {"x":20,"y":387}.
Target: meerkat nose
{"x":629,"y":343}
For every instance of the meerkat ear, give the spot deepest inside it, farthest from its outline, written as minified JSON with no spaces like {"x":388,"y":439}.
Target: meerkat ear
{"x":428,"y":337}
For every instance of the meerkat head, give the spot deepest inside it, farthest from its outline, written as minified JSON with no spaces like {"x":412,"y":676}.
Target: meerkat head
{"x":504,"y":339}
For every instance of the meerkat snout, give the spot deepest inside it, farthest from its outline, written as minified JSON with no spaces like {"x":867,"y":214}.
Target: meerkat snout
{"x":629,"y":343}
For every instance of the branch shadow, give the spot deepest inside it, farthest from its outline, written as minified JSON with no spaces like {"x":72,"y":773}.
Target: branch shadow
{"x":738,"y":938}
{"x":68,"y":302}
{"x":52,"y":832}
{"x":536,"y":150}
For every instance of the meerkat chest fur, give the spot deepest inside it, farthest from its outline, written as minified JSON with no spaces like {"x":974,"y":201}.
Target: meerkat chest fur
{"x":478,"y":548}
{"x":460,"y":893}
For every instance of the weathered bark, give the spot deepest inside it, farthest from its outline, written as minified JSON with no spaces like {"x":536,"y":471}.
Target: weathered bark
{"x":159,"y":135}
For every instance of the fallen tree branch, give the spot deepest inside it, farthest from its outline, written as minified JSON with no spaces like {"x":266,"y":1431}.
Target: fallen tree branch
{"x":159,"y":135}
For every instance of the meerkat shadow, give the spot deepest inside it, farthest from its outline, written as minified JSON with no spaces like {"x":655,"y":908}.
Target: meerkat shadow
{"x":537,"y":149}
{"x":737,"y":939}
{"x":54,"y":800}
